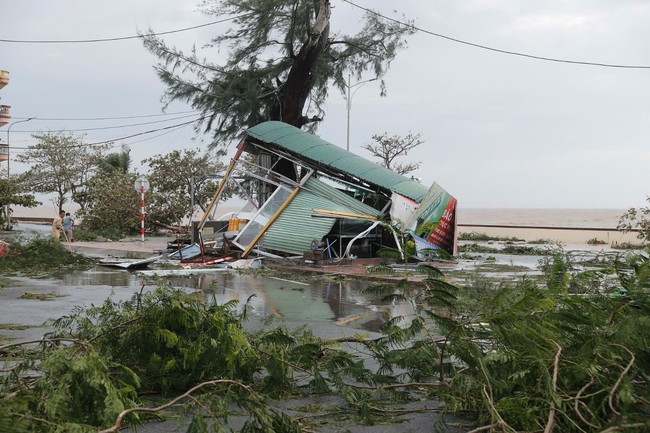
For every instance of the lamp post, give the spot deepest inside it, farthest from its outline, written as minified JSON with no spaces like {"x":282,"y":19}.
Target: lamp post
{"x":8,"y":159}
{"x":349,"y":102}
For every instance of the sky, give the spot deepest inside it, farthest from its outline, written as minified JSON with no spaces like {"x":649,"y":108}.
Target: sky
{"x":499,"y":130}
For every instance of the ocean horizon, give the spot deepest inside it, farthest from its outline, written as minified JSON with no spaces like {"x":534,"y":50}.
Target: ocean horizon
{"x":538,"y":217}
{"x":541,"y":217}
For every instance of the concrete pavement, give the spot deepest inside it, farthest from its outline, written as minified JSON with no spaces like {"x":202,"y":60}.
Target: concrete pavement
{"x":129,"y":247}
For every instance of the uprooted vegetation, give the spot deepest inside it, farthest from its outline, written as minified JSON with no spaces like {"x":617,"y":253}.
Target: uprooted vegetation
{"x":40,"y":256}
{"x":569,"y":354}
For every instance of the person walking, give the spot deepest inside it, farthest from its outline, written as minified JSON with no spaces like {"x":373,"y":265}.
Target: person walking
{"x":68,"y":223}
{"x":57,"y":225}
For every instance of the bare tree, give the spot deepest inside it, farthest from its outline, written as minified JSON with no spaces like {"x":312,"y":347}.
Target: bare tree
{"x":386,"y":148}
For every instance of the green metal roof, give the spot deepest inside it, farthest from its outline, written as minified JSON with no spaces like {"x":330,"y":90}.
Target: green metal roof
{"x":313,"y":148}
{"x":283,"y":235}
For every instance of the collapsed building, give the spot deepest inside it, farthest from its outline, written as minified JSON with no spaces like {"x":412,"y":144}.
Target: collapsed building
{"x":305,"y":194}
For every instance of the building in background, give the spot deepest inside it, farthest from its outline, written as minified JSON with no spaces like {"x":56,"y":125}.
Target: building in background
{"x":4,"y":115}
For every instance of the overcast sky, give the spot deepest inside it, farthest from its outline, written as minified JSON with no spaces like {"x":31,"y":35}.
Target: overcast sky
{"x":500,"y":130}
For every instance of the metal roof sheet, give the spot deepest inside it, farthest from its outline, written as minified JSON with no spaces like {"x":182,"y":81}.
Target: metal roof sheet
{"x":314,"y":148}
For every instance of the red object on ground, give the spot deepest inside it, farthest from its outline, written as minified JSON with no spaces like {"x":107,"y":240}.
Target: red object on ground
{"x":4,"y":248}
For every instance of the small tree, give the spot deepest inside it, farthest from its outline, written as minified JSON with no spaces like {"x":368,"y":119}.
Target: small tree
{"x":174,"y":177}
{"x":637,"y":219}
{"x":386,"y":148}
{"x":10,"y":194}
{"x":112,"y":204}
{"x":61,"y":164}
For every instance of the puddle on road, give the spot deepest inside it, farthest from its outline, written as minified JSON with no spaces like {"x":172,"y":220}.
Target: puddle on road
{"x":343,"y":302}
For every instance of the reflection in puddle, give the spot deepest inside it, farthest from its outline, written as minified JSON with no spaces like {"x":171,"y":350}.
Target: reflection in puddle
{"x":340,"y":302}
{"x":343,"y":302}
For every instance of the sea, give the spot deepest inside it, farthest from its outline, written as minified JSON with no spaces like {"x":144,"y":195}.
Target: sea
{"x":574,"y":218}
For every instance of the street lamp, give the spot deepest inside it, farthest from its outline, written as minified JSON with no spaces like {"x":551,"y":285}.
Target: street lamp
{"x":349,"y":102}
{"x":8,"y":159}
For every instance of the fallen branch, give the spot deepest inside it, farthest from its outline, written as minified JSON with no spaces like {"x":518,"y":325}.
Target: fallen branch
{"x":578,"y":402}
{"x":400,"y":385}
{"x":550,"y":422}
{"x":623,"y":427}
{"x":124,"y":413}
{"x":401,"y":411}
{"x":501,"y":423}
{"x":620,"y":378}
{"x":42,"y":340}
{"x":485,"y":428}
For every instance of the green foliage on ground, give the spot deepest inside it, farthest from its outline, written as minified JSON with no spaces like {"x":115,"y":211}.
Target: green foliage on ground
{"x":570,"y":353}
{"x":40,"y":255}
{"x":174,"y":341}
{"x":518,"y":250}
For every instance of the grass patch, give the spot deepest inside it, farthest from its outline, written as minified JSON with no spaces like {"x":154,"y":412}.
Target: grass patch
{"x":540,"y":242}
{"x":40,"y":296}
{"x":627,"y":246}
{"x":502,"y":268}
{"x":14,"y":327}
{"x":476,"y":236}
{"x":514,"y":250}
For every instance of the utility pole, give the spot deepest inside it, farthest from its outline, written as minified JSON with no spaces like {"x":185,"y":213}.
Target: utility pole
{"x":348,"y":104}
{"x":8,"y":210}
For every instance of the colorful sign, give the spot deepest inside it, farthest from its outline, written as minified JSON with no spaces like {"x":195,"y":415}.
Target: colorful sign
{"x":433,"y":225}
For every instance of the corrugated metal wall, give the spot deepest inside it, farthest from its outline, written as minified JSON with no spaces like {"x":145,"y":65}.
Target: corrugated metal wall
{"x":295,"y":228}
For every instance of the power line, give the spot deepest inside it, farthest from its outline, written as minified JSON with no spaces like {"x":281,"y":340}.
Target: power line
{"x":173,"y":129}
{"x":485,"y":47}
{"x":122,"y":38}
{"x":178,"y":128}
{"x":110,"y":118}
{"x":110,"y":127}
{"x":128,"y":136}
{"x":166,"y":128}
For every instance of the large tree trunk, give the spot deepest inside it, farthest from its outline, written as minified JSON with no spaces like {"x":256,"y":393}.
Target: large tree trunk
{"x":295,"y":91}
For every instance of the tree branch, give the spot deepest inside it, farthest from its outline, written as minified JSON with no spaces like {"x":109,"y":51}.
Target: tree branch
{"x":620,"y":378}
{"x":551,"y":413}
{"x":124,"y":413}
{"x":42,"y":340}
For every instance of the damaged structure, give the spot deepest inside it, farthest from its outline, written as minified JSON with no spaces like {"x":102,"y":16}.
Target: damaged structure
{"x":305,"y":195}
